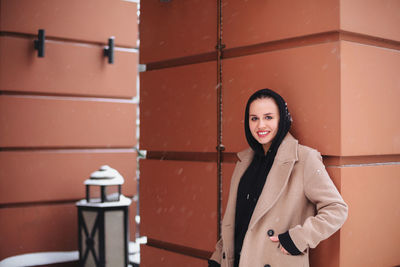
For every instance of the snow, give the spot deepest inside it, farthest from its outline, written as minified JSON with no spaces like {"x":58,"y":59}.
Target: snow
{"x":134,"y":249}
{"x":135,"y":258}
{"x":105,"y":172}
{"x":40,"y":258}
{"x":52,"y":257}
{"x":105,"y":176}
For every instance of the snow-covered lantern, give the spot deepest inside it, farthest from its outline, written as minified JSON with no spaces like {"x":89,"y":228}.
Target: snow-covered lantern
{"x":103,"y":221}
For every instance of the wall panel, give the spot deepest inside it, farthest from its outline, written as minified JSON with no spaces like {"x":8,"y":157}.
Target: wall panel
{"x":154,"y":257}
{"x":379,"y":18}
{"x":179,"y":109}
{"x":175,"y":29}
{"x":71,"y":69}
{"x":371,"y":235}
{"x":62,"y":171}
{"x":254,"y":22}
{"x":307,"y":78}
{"x":179,"y":202}
{"x":370,"y":90}
{"x":88,"y":21}
{"x":37,"y":229}
{"x":28,"y":121}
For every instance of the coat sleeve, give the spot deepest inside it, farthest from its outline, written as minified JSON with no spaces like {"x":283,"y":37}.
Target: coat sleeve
{"x":216,"y":256}
{"x":331,"y":209}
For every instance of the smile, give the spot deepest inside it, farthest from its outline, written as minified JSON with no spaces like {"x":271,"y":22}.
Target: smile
{"x":263,"y":134}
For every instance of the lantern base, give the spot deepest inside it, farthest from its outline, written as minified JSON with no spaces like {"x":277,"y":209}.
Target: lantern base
{"x":103,"y":232}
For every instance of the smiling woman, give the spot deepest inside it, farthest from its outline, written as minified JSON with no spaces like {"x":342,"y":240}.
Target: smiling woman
{"x":281,"y":201}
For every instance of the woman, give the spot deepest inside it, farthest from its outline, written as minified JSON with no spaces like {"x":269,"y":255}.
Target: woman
{"x":281,"y":201}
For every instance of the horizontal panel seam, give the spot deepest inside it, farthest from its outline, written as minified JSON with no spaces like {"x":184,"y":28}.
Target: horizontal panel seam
{"x":38,"y":203}
{"x":188,"y":251}
{"x":282,"y":44}
{"x":67,"y":97}
{"x":189,"y":156}
{"x":78,"y":42}
{"x":363,"y":164}
{"x":369,"y":40}
{"x":182,"y":61}
{"x":31,"y":94}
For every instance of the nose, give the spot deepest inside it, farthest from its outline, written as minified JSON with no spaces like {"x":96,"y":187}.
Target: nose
{"x":261,"y":124}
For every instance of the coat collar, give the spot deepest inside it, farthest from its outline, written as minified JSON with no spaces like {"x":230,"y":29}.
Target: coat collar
{"x":287,"y":151}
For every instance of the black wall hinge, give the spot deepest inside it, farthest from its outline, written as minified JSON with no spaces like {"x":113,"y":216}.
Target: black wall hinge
{"x":39,"y":43}
{"x":109,"y":51}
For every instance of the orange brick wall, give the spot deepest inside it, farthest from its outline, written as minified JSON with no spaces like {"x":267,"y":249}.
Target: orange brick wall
{"x":62,"y":116}
{"x":335,"y":62}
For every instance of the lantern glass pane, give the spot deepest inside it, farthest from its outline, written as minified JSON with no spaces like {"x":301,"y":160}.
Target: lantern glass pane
{"x":95,"y":192}
{"x":89,"y":218}
{"x":112,"y":193}
{"x":115,"y":238}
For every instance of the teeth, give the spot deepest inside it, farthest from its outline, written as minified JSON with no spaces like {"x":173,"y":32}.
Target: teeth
{"x":262,"y":133}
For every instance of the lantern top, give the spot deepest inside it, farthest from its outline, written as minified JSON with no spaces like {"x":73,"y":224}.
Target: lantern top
{"x":105,"y":176}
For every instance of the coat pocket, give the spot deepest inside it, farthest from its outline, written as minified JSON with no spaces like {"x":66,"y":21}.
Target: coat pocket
{"x":284,"y":260}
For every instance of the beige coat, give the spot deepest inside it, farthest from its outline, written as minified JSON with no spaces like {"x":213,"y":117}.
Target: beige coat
{"x":298,"y":196}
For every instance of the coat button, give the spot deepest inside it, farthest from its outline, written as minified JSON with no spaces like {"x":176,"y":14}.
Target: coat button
{"x":270,"y":232}
{"x":267,"y":265}
{"x":223,"y":255}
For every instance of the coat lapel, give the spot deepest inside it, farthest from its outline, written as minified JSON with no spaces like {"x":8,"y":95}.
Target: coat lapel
{"x":277,"y":178}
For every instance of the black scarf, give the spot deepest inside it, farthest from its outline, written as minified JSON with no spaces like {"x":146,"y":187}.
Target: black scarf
{"x":253,"y":180}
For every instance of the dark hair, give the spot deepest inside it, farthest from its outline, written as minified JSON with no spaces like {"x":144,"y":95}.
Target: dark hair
{"x":285,"y":120}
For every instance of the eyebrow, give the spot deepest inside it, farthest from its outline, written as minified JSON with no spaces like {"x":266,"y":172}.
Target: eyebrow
{"x":269,"y":113}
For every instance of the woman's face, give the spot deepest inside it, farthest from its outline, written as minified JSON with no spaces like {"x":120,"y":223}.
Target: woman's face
{"x":264,"y":120}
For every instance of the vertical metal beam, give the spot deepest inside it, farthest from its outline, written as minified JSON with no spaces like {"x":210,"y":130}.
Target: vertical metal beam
{"x":220,"y":146}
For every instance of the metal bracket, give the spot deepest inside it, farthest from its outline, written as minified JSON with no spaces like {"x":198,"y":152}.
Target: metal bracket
{"x":220,"y":46}
{"x":220,"y":147}
{"x":39,"y":43}
{"x":109,"y":51}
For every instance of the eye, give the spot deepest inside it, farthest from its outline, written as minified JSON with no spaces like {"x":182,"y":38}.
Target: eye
{"x":268,"y":117}
{"x":253,"y":118}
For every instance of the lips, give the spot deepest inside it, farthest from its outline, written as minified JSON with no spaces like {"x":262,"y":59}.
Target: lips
{"x":262,"y":134}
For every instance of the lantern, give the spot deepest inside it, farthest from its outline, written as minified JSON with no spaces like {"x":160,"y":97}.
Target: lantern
{"x":103,"y":221}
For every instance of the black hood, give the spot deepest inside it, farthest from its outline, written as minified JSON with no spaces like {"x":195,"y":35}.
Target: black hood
{"x":285,"y":121}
